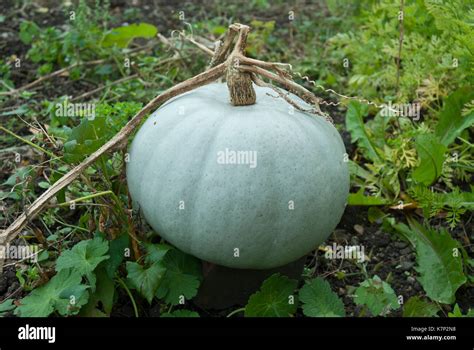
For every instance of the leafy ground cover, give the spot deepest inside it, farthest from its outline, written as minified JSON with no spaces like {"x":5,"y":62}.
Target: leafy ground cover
{"x":407,"y":135}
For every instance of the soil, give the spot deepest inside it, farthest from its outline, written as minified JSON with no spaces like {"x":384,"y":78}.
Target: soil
{"x":8,"y":283}
{"x":391,"y":259}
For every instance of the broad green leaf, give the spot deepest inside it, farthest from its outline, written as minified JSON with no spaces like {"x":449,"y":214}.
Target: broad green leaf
{"x":156,"y":252}
{"x":377,"y":295}
{"x":6,"y":306}
{"x":145,"y":280}
{"x":417,"y":307}
{"x":182,"y":278}
{"x":359,"y":133}
{"x":102,"y":297}
{"x":274,"y":299}
{"x":85,"y":139}
{"x":360,"y":198}
{"x":64,"y":293}
{"x":431,"y":154}
{"x":403,"y":230}
{"x":122,"y":36}
{"x":319,"y":300}
{"x":451,"y":121}
{"x":439,"y":260}
{"x":84,"y":257}
{"x":117,"y":253}
{"x":181,"y":313}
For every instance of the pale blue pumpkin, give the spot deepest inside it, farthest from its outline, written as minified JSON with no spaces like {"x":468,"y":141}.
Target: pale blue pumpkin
{"x":246,"y":187}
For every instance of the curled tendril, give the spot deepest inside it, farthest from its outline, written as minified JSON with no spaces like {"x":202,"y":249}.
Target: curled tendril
{"x":312,"y":82}
{"x":190,"y":28}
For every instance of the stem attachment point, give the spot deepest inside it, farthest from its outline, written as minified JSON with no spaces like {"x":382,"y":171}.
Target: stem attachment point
{"x":240,"y":86}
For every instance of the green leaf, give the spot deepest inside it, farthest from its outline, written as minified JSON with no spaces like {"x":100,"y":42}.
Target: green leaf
{"x":145,"y":280}
{"x":122,"y":36}
{"x":458,"y":313}
{"x":17,"y":111}
{"x":375,"y":214}
{"x":377,"y":295}
{"x":431,"y":154}
{"x":319,"y":300}
{"x":417,"y":307}
{"x":156,"y":252}
{"x":358,"y":171}
{"x":103,"y":295}
{"x":44,"y":184}
{"x":6,"y":306}
{"x":20,"y":175}
{"x":377,"y":127}
{"x":92,"y":133}
{"x":85,"y":139}
{"x":117,"y":253}
{"x":439,"y":260}
{"x":56,"y":295}
{"x":403,"y":230}
{"x":451,"y":121}
{"x":274,"y":299}
{"x":181,"y":313}
{"x":454,"y":203}
{"x":219,"y":30}
{"x":45,"y":69}
{"x":84,"y":257}
{"x":359,"y":133}
{"x":104,"y":69}
{"x":28,"y":32}
{"x":360,"y":198}
{"x":56,"y":174}
{"x":182,"y":278}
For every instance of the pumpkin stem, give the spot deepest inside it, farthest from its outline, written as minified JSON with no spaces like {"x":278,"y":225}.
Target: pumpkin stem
{"x":239,"y":83}
{"x":240,"y":87}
